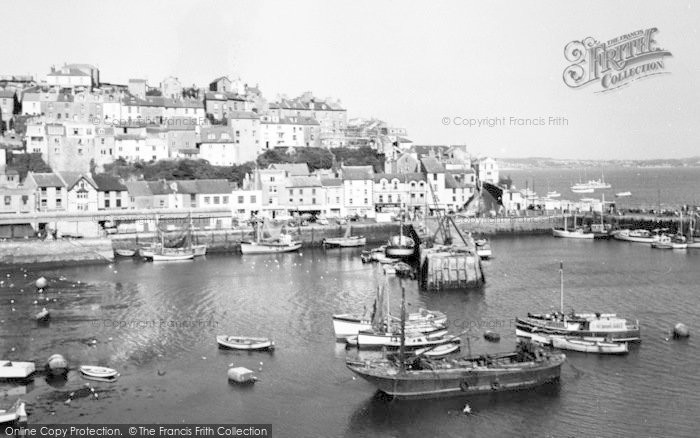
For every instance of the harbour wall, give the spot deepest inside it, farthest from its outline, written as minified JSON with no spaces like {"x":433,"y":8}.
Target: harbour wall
{"x":223,"y":241}
{"x":59,"y":252}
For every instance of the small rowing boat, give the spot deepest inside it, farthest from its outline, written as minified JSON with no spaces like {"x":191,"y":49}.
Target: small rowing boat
{"x":586,"y":346}
{"x":43,"y":316}
{"x":125,"y":252}
{"x":98,"y":373}
{"x":244,"y":343}
{"x":438,"y":351}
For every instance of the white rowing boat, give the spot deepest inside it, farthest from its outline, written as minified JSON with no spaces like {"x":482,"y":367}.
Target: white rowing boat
{"x":98,"y":373}
{"x":245,"y":343}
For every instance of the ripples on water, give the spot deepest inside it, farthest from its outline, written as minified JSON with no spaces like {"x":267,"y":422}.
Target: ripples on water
{"x":157,"y":324}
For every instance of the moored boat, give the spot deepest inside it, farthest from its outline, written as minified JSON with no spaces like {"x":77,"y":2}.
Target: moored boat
{"x":623,"y":194}
{"x":438,"y":351}
{"x":43,"y":316}
{"x":483,"y":248}
{"x":589,"y":346}
{"x":400,"y":247}
{"x":125,"y":252}
{"x":377,"y":340}
{"x":98,"y":373}
{"x":346,"y":325}
{"x":172,"y":254}
{"x":637,"y":236}
{"x":578,"y":233}
{"x":528,"y":367}
{"x":670,"y":242}
{"x":272,"y":245}
{"x":199,"y":249}
{"x":11,"y":370}
{"x":244,"y":343}
{"x":346,"y":241}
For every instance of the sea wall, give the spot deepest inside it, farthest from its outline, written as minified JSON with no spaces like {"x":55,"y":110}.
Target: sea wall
{"x":510,"y":225}
{"x":55,"y":252}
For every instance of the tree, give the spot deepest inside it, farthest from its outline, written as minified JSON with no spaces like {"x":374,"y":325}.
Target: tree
{"x":154,"y":92}
{"x":24,"y":163}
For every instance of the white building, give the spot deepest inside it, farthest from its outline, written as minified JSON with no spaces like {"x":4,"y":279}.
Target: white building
{"x":358,"y":190}
{"x":488,"y":170}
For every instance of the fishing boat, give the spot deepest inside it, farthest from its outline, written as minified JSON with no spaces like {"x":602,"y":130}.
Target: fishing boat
{"x":577,"y":233}
{"x":404,"y":270}
{"x":372,"y":339}
{"x":178,"y":251}
{"x":98,"y":373}
{"x":244,"y":343}
{"x":623,"y":194}
{"x":586,"y":346}
{"x":346,"y":325}
{"x":125,"y":252}
{"x":439,"y":350}
{"x":11,"y":370}
{"x":400,"y":246}
{"x":553,"y":194}
{"x":670,"y":242}
{"x":271,"y":245}
{"x":592,"y":326}
{"x":421,"y":377}
{"x":693,"y":240}
{"x":347,"y":241}
{"x":637,"y":236}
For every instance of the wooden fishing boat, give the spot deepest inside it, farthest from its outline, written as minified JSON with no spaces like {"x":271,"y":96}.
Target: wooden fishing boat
{"x":244,"y":343}
{"x":283,"y":243}
{"x":576,"y":233}
{"x":438,"y":351}
{"x":586,"y":346}
{"x":98,"y":373}
{"x":368,"y":340}
{"x":125,"y":252}
{"x":421,"y":377}
{"x":580,"y":325}
{"x":346,"y":241}
{"x":637,"y":236}
{"x":11,"y":370}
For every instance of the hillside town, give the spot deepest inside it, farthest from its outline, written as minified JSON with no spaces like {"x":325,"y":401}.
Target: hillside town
{"x":79,"y":125}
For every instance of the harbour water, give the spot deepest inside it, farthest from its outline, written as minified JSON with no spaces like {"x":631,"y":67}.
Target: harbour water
{"x":669,"y":187}
{"x":156,"y":324}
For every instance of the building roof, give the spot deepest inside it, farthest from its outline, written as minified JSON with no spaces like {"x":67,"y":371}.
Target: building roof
{"x":357,"y":172}
{"x":431,"y":165}
{"x":331,"y":182}
{"x":402,"y":177}
{"x":72,"y":178}
{"x":293,"y":169}
{"x":108,"y":183}
{"x":138,"y":188}
{"x":219,"y":79}
{"x":243,"y":115}
{"x":46,"y":179}
{"x":221,"y":95}
{"x":216,"y":134}
{"x":213,"y":186}
{"x":159,"y":188}
{"x":304,"y":181}
{"x":68,"y":72}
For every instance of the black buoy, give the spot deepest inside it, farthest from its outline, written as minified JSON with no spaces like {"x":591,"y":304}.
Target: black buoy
{"x":680,"y":330}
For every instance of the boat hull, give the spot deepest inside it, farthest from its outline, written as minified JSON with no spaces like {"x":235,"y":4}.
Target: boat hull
{"x":125,"y":252}
{"x":457,"y":382}
{"x":399,"y":252}
{"x":525,"y":328}
{"x":268,"y":248}
{"x":571,"y":234}
{"x":171,"y":257}
{"x":199,"y":250}
{"x":241,"y":343}
{"x":345,"y":242}
{"x":582,"y":346}
{"x":346,"y":325}
{"x":369,"y":341}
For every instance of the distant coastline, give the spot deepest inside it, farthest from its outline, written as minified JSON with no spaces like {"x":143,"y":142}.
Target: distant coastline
{"x":554,"y":163}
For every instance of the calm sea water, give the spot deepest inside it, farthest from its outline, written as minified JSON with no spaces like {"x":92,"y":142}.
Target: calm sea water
{"x":669,"y":187}
{"x":156,"y":324}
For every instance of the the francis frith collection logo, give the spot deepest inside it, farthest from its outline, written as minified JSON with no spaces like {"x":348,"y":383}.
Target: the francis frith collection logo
{"x":614,"y":63}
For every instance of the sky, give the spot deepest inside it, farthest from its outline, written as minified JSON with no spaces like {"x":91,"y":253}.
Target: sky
{"x":411,"y":64}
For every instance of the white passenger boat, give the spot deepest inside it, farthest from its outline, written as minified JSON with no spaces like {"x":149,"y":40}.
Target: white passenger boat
{"x":244,"y":343}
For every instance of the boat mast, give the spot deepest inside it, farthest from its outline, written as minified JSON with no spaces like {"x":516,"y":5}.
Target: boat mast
{"x":561,"y":287}
{"x":388,"y":308}
{"x":402,"y":347}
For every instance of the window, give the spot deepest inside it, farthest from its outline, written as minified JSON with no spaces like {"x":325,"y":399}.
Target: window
{"x":217,"y":200}
{"x":252,"y":199}
{"x":272,"y":179}
{"x":435,"y":177}
{"x":301,"y":191}
{"x":224,"y":199}
{"x":241,"y":200}
{"x":365,"y":200}
{"x":119,"y":203}
{"x":8,"y":200}
{"x":313,"y":200}
{"x":381,"y":199}
{"x":207,"y":199}
{"x":291,"y":192}
{"x":313,"y":191}
{"x":106,"y":203}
